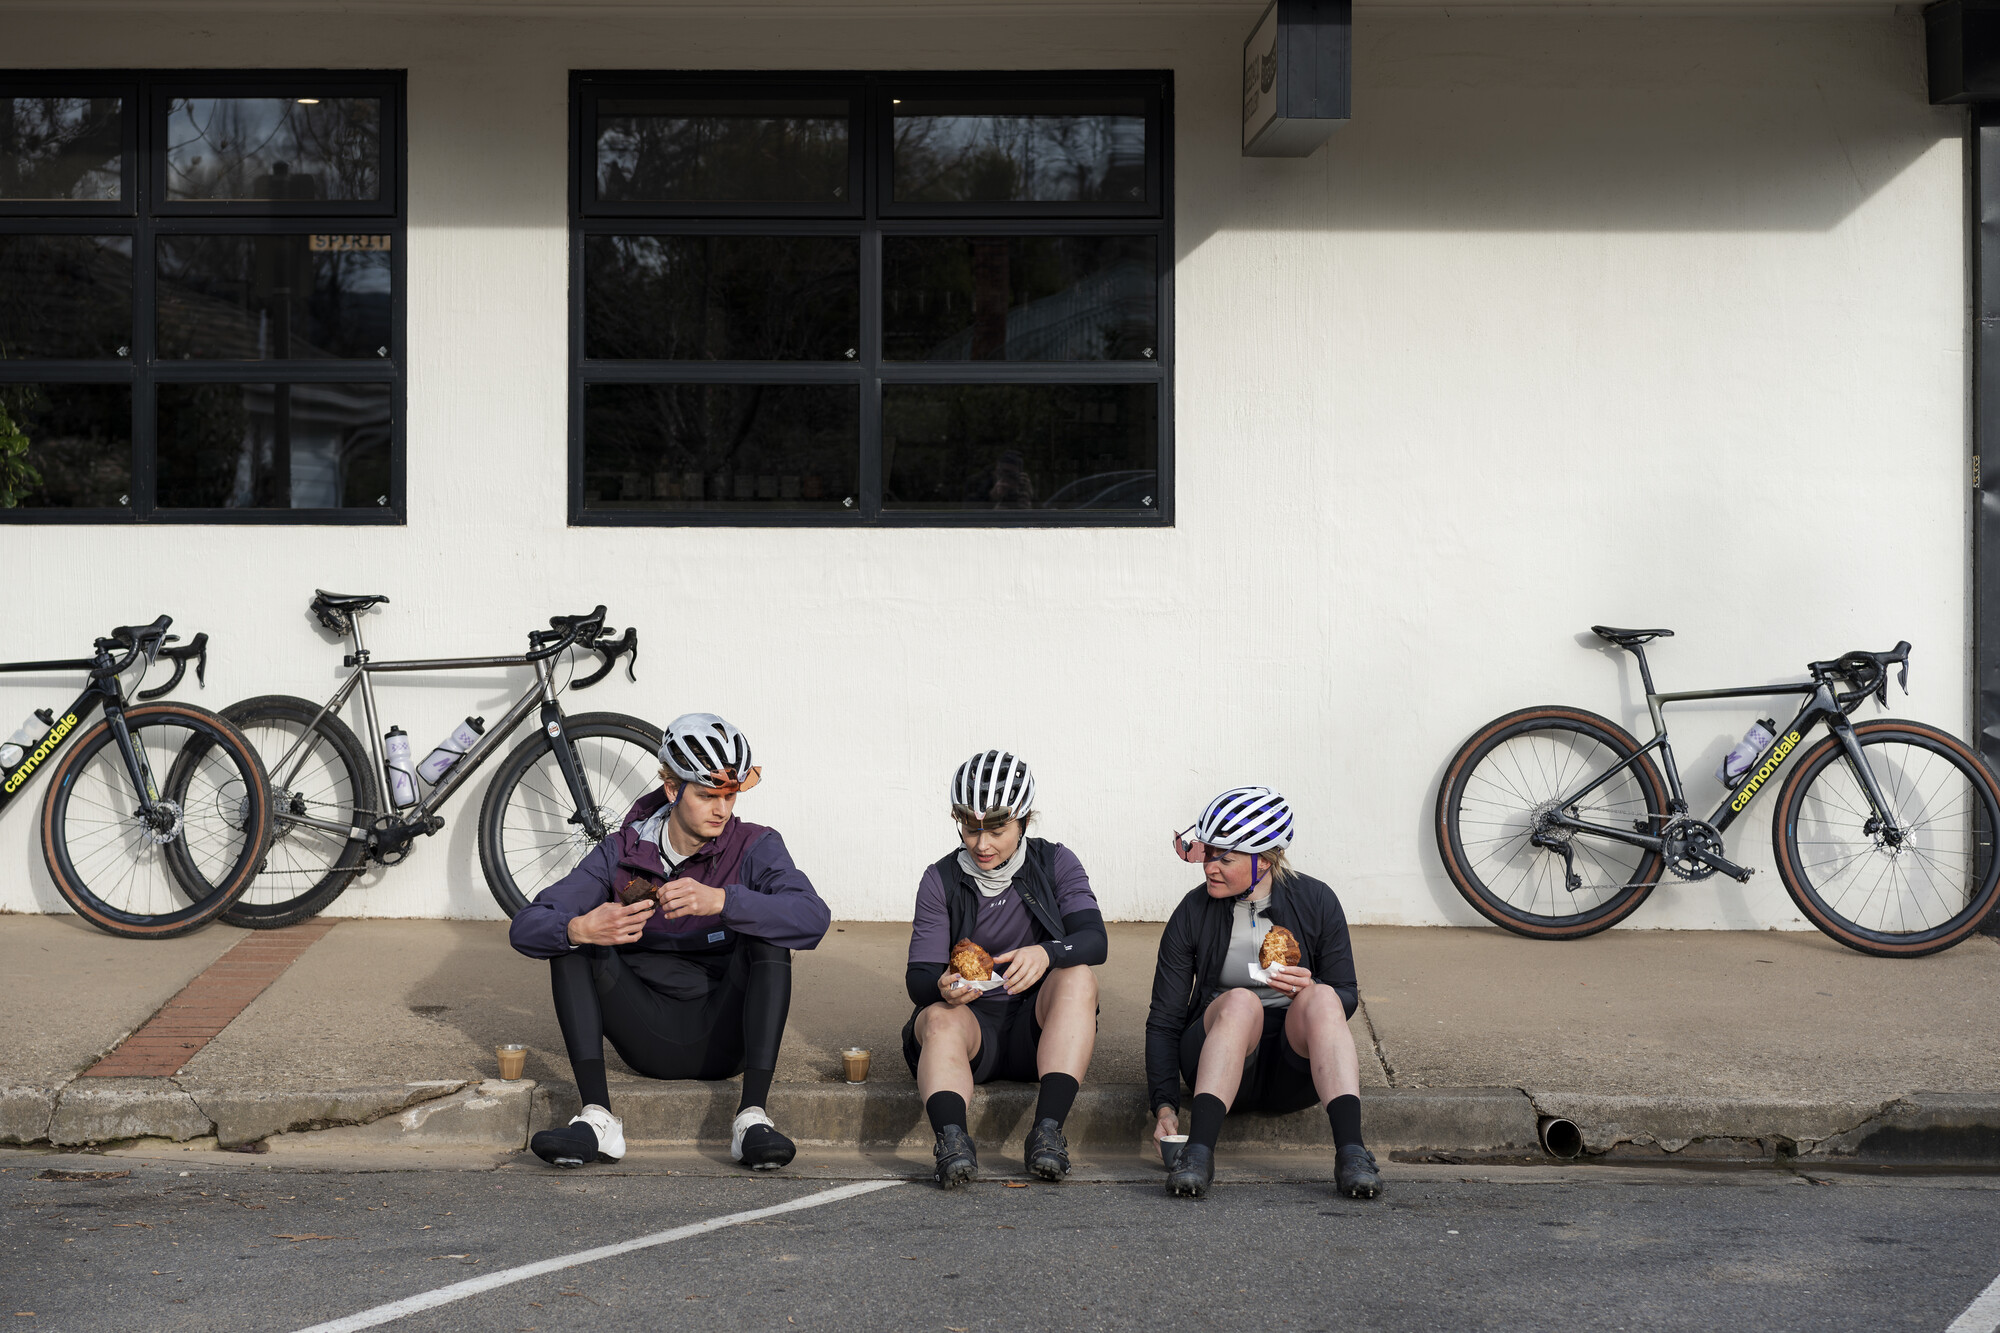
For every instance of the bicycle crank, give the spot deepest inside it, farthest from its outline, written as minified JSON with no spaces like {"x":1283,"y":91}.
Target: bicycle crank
{"x":389,"y":837}
{"x":1693,"y":851}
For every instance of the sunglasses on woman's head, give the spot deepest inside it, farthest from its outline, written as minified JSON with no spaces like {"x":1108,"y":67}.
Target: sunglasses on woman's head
{"x":971,"y":822}
{"x":1195,"y":851}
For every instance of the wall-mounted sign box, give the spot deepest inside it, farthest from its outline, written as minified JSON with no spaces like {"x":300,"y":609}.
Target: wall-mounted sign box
{"x":1962,"y":40}
{"x":1297,"y":76}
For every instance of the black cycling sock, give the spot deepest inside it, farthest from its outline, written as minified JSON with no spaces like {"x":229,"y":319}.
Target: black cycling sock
{"x":1344,"y":1112}
{"x":756,"y":1088}
{"x":590,"y":1084}
{"x":945,"y":1108}
{"x":1205,"y":1124}
{"x":1057,"y":1096}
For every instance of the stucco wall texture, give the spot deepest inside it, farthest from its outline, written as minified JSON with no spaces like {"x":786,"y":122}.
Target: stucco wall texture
{"x":1642,"y":319}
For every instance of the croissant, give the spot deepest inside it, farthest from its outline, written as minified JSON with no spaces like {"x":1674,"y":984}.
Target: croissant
{"x":971,"y":962}
{"x":635,"y":889}
{"x":1279,"y":947}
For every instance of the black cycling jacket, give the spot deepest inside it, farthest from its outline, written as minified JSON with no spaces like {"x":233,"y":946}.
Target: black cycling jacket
{"x":1188,"y":975}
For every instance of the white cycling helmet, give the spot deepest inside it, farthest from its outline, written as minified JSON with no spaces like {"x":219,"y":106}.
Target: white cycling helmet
{"x":703,"y":749}
{"x":1242,"y":819}
{"x":993,"y":785}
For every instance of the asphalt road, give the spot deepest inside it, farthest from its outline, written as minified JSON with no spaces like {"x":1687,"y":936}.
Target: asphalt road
{"x":205,"y":1246}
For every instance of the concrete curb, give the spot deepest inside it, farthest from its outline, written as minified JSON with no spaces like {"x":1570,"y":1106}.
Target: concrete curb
{"x":107,"y":1110}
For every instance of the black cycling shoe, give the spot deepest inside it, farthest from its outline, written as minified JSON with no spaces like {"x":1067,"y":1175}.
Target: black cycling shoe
{"x":957,"y":1159}
{"x":572,"y":1145}
{"x":765,"y":1149}
{"x":1047,"y":1155}
{"x":1354,"y":1172}
{"x":1194,"y":1170}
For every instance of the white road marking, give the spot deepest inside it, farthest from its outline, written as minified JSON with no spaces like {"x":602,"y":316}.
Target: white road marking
{"x":458,"y":1291}
{"x":1983,"y":1315}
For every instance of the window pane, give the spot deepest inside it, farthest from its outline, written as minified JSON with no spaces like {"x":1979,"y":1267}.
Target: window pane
{"x":274,"y":446}
{"x":256,"y":298}
{"x":1020,"y":446}
{"x":1071,"y":150}
{"x":1021,"y":298}
{"x":62,"y":148}
{"x":722,"y":298}
{"x":722,"y":150}
{"x":729,"y":448}
{"x":65,"y":296}
{"x":79,"y":446}
{"x":258,"y":148}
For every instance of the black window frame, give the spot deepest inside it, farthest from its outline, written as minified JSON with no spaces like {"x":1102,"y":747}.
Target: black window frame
{"x":871,"y":215}
{"x":146,"y":215}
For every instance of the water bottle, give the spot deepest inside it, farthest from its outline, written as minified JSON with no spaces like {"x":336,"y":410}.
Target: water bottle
{"x":16,"y":746}
{"x":402,"y":778}
{"x":451,"y":749}
{"x":1736,"y":764}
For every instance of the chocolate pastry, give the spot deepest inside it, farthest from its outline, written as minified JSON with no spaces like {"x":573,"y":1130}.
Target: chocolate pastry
{"x":635,"y":889}
{"x":1279,"y":947}
{"x":971,"y":962}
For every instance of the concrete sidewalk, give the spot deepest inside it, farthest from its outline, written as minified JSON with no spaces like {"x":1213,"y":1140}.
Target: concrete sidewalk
{"x":1662,"y":1045}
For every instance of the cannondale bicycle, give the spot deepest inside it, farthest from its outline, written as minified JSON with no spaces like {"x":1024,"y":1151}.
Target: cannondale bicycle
{"x":338,"y":806}
{"x":158,"y":815}
{"x":1556,"y":823}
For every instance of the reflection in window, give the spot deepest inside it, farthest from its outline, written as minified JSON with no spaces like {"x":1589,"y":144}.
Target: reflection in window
{"x":79,"y":444}
{"x":65,"y":296}
{"x":258,"y":298}
{"x":1021,"y":298}
{"x":1063,"y":151}
{"x":722,"y":150}
{"x":274,"y":446}
{"x":275,"y":148}
{"x":1020,"y":446}
{"x":720,"y":447}
{"x":69,"y":148}
{"x":722,"y":298}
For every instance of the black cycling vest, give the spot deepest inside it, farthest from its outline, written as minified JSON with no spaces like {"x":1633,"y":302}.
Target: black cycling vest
{"x":1033,"y":881}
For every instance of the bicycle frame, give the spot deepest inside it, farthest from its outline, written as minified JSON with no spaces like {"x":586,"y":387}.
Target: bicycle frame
{"x":1819,"y":706}
{"x":542,"y":692}
{"x":66,"y":724}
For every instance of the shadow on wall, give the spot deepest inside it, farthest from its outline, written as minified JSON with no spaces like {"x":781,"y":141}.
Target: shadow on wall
{"x":1544,"y":124}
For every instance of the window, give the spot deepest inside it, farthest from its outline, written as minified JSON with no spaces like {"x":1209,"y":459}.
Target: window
{"x":902,"y":299}
{"x":201,"y":297}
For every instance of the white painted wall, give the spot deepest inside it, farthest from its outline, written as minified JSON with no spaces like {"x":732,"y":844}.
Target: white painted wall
{"x":1587,"y":318}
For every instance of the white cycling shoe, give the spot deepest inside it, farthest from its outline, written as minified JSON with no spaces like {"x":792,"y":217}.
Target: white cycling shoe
{"x":756,"y":1142}
{"x":594,"y":1136}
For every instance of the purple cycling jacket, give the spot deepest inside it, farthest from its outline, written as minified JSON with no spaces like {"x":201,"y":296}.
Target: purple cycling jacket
{"x":768,"y":897}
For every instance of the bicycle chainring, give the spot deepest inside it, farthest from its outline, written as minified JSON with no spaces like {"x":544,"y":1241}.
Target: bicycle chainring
{"x":1679,"y":841}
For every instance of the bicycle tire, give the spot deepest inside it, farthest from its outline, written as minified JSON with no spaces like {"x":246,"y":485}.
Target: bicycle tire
{"x":304,"y":870}
{"x":233,"y":805}
{"x":559,"y":846}
{"x":1923,"y":846}
{"x":1559,"y":767}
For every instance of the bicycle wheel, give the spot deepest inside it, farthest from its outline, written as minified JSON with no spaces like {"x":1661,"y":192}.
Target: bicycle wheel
{"x":1920,"y":884}
{"x":1514,"y":771}
{"x":527,"y":840}
{"x":331,"y":780}
{"x":150,"y":879}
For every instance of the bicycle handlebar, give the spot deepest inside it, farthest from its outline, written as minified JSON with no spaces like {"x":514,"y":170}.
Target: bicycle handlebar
{"x":611,"y":652}
{"x":563,"y":631}
{"x":198,"y":650}
{"x":134,"y":639}
{"x":1867,"y":672}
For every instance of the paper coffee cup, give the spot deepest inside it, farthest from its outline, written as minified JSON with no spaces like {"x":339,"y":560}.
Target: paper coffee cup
{"x":512,"y":1057}
{"x":1170,"y":1148}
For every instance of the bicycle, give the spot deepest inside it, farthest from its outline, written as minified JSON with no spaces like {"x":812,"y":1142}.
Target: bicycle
{"x":556,"y":795}
{"x":1883,"y":835}
{"x":132,"y":858}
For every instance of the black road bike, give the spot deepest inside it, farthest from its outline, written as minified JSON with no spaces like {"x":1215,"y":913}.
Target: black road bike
{"x":1555,"y":823}
{"x":159,"y":814}
{"x":557,"y":794}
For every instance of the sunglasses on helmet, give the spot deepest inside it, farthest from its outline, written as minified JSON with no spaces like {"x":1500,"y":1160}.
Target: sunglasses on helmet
{"x":971,"y":821}
{"x":1195,"y":851}
{"x":726,"y":783}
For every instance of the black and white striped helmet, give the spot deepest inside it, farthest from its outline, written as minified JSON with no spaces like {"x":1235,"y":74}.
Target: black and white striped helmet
{"x":992,"y":783}
{"x":703,"y":749}
{"x":1246,"y":819}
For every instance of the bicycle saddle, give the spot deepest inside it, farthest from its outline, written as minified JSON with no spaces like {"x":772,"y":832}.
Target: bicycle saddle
{"x":335,"y":601}
{"x":1628,"y":638}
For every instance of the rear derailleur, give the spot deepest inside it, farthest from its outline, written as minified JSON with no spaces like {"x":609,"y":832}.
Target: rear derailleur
{"x":1552,"y":837}
{"x":390,"y":836}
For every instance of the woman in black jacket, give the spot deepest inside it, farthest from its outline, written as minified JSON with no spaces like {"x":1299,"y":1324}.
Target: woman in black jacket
{"x":1246,"y":1036}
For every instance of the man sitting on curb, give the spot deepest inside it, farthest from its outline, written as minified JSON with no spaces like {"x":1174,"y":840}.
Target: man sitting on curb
{"x":692,"y":979}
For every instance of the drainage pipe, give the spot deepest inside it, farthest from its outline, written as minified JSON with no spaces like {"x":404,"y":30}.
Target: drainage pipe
{"x":1560,"y":1137}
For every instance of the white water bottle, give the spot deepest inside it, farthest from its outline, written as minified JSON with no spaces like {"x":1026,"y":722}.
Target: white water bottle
{"x":402,"y":778}
{"x":16,"y":746}
{"x":1744,"y":753}
{"x":451,"y":749}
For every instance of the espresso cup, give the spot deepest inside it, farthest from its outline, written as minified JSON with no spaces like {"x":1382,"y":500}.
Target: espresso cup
{"x":1170,"y":1148}
{"x":855,"y":1061}
{"x":512,"y":1057}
